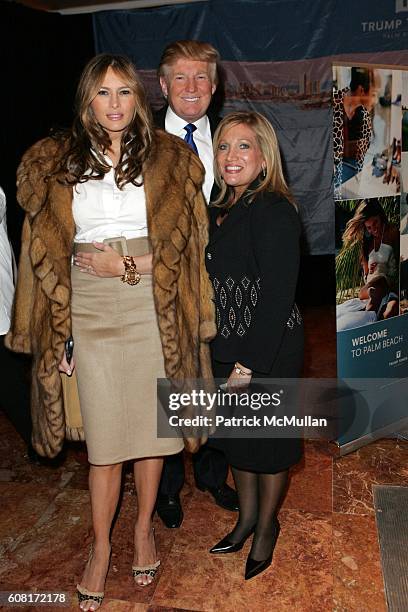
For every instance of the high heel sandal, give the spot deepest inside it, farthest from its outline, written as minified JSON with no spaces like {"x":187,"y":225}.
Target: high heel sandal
{"x":253,"y":567}
{"x":93,"y":596}
{"x":145,"y":570}
{"x":149,"y":571}
{"x":85,"y":595}
{"x":225,"y":545}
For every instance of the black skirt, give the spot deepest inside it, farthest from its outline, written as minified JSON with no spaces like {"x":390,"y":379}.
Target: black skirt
{"x":263,"y":455}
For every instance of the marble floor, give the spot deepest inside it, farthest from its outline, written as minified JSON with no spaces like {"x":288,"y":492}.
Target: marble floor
{"x":326,"y":559}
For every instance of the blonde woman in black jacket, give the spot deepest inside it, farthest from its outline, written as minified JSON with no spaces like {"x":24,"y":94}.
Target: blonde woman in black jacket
{"x":253,"y":260}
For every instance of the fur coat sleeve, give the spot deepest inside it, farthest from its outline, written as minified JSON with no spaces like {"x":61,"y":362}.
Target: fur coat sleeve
{"x":41,"y":313}
{"x":178,"y":229}
{"x":177,"y":222}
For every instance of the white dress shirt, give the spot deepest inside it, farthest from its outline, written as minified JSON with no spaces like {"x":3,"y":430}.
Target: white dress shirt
{"x":203,"y":140}
{"x":102,"y":210}
{"x":6,"y":270}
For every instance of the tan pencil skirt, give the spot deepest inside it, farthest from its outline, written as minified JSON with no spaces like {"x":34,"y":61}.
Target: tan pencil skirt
{"x":118,"y":356}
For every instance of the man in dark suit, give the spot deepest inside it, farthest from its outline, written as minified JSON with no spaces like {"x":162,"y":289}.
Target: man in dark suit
{"x":188,"y":78}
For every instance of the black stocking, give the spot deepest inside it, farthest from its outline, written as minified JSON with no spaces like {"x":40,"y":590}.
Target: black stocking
{"x":246,"y":484}
{"x":271,"y":488}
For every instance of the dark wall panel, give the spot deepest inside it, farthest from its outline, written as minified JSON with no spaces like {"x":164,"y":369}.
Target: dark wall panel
{"x":42,"y":57}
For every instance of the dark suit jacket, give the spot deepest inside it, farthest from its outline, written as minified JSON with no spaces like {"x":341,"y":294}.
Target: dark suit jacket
{"x":253,"y":260}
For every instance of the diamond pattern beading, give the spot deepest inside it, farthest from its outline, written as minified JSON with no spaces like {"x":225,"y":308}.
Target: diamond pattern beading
{"x":225,"y":332}
{"x":254,"y":296}
{"x":223,"y":297}
{"x":230,"y":283}
{"x":245,"y":282}
{"x":235,"y":304}
{"x":238,"y":297}
{"x":232,"y":317}
{"x":240,"y":330}
{"x":247,"y":316}
{"x":295,"y":318}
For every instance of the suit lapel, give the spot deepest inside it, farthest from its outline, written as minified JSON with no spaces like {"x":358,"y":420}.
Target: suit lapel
{"x":214,"y":121}
{"x":159,"y":117}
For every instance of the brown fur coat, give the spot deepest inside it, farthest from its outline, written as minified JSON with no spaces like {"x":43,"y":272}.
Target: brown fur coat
{"x":177,"y":221}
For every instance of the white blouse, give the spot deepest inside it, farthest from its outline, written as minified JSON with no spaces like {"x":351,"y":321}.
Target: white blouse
{"x":102,"y":210}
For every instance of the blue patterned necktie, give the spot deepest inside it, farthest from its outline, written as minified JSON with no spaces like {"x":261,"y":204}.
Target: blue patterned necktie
{"x":188,"y":138}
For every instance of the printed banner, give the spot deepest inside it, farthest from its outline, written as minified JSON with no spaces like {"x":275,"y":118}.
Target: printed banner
{"x":370,"y":169}
{"x":277,"y":59}
{"x":371,"y":220}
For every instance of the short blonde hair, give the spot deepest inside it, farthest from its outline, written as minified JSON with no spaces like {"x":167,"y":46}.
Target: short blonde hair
{"x":268,"y":144}
{"x":195,"y":50}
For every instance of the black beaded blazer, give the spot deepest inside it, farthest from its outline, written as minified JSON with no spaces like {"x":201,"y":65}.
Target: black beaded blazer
{"x":253,"y":261}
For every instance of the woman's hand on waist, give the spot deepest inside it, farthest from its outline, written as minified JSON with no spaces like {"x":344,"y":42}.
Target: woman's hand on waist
{"x":108,"y":263}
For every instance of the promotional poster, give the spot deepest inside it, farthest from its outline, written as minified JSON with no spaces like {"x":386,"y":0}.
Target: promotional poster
{"x":371,"y":221}
{"x":370,"y":161}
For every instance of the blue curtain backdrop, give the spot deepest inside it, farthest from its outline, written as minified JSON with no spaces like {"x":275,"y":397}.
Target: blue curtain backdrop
{"x":277,"y":57}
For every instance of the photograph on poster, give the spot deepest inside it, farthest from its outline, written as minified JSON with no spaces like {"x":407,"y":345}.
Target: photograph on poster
{"x":404,"y":135}
{"x":367,"y":261}
{"x":404,"y":254}
{"x":367,"y":119}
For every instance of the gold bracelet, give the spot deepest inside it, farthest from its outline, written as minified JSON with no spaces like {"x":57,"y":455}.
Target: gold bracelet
{"x":239,"y":370}
{"x":131,"y":276}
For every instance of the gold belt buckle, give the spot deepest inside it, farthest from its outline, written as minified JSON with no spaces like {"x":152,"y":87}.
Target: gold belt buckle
{"x":119,"y":244}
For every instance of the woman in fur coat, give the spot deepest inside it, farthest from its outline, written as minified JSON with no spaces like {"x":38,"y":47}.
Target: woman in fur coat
{"x":112,"y":255}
